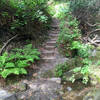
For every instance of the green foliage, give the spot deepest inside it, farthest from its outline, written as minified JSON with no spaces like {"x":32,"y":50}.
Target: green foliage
{"x":85,"y":11}
{"x":70,"y":44}
{"x":58,"y":8}
{"x":84,"y":5}
{"x":17,"y":60}
{"x":61,"y":69}
{"x":19,"y":13}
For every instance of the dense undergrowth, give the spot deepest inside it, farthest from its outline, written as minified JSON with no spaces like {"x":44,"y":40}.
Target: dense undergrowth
{"x":23,"y":16}
{"x":31,"y":17}
{"x":30,"y":20}
{"x":71,"y":46}
{"x":18,"y":60}
{"x":87,"y":12}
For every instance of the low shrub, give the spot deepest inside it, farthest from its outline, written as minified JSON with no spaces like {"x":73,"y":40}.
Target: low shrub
{"x":18,"y":60}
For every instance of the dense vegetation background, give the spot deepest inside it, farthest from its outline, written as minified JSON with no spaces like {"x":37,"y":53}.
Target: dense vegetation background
{"x":22,"y":20}
{"x":88,"y":13}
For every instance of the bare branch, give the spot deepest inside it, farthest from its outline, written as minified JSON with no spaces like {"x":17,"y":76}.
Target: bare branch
{"x":96,"y":30}
{"x":92,"y":25}
{"x":7,"y":43}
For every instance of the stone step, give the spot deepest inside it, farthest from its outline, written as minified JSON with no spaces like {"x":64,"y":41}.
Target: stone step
{"x":57,"y":30}
{"x":51,"y":43}
{"x":54,"y":32}
{"x":53,"y":39}
{"x":53,"y":35}
{"x":49,"y":47}
{"x":47,"y":53}
{"x":56,"y":26}
{"x":47,"y":59}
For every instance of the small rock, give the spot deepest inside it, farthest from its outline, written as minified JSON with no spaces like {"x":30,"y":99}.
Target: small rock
{"x":5,"y":95}
{"x":19,"y":87}
{"x":35,"y":74}
{"x":57,"y":80}
{"x":69,"y":89}
{"x":61,"y":92}
{"x":25,"y":81}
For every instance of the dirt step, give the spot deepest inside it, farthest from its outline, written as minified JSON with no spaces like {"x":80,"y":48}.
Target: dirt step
{"x":49,"y":47}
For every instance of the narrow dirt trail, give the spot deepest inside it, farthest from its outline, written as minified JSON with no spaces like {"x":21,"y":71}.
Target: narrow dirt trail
{"x":46,"y":86}
{"x":49,"y":53}
{"x":48,"y":50}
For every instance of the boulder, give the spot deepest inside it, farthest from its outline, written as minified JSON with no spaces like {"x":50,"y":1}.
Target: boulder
{"x":42,"y":90}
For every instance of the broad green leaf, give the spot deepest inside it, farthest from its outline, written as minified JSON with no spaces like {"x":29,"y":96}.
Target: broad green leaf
{"x":9,"y":65}
{"x":22,"y":63}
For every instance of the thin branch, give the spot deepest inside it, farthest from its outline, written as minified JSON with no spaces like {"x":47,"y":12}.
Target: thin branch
{"x":96,"y":30}
{"x":7,"y":43}
{"x":92,"y":25}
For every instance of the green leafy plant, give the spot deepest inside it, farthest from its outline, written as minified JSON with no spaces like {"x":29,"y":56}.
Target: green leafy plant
{"x":61,"y":69}
{"x":70,"y":45}
{"x":17,"y":60}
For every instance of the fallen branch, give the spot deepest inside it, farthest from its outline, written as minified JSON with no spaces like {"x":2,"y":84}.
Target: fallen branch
{"x":5,"y":44}
{"x":94,"y":38}
{"x":92,"y":42}
{"x":92,"y":25}
{"x":96,"y":30}
{"x":97,"y":41}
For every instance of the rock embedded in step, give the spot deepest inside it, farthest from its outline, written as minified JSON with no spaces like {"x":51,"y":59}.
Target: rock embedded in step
{"x":5,"y":95}
{"x":22,"y":86}
{"x":19,"y":87}
{"x":69,"y":89}
{"x":57,"y":80}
